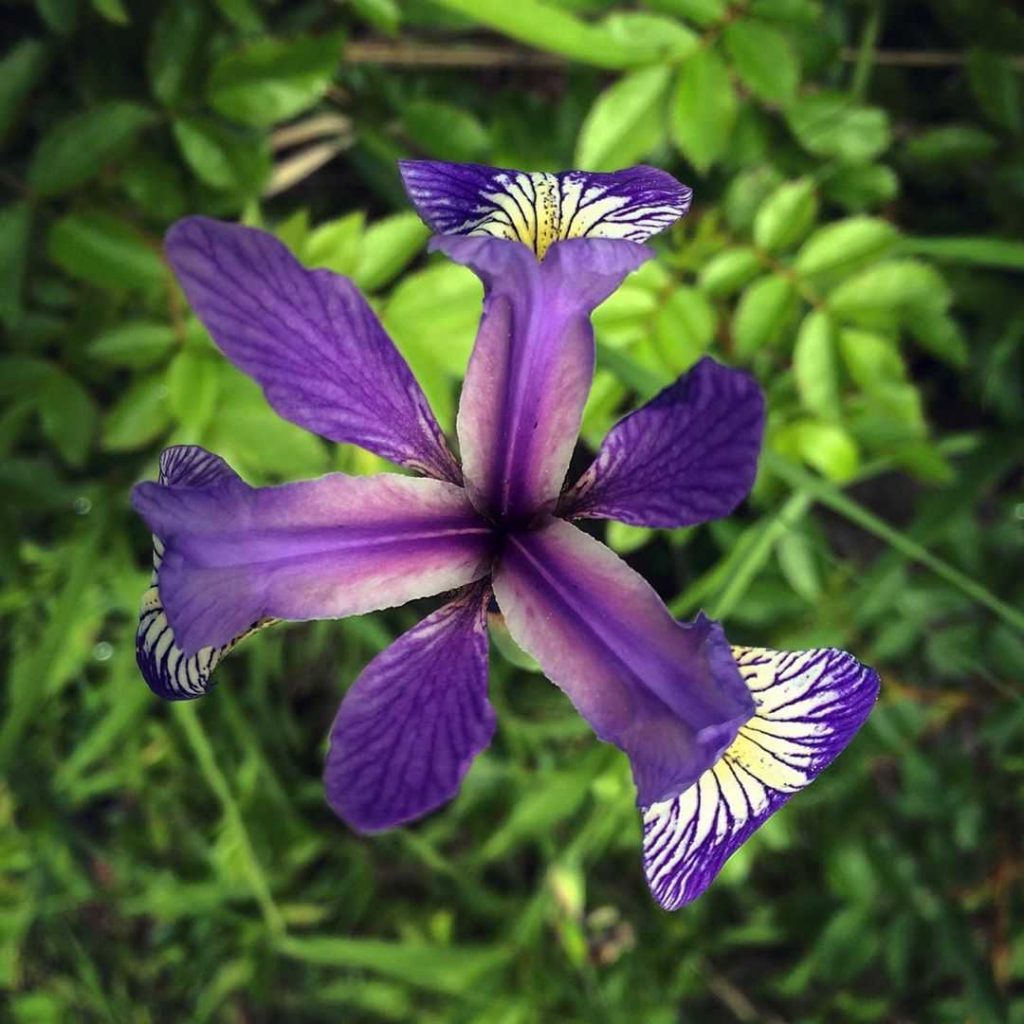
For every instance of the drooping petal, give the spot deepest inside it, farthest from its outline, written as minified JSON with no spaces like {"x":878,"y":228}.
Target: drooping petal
{"x":340,"y":545}
{"x":687,"y":456}
{"x":168,"y":671}
{"x":809,"y":706}
{"x":414,"y":720}
{"x":532,"y":365}
{"x":668,"y":694}
{"x":539,"y":209}
{"x":310,"y":340}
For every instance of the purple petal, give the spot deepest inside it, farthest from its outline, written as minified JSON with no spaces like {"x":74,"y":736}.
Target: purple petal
{"x":539,"y":208}
{"x":234,"y":555}
{"x":809,"y":706}
{"x":409,"y":728}
{"x":310,"y":340}
{"x":687,"y":456}
{"x":168,"y":671}
{"x":532,"y":364}
{"x":668,"y":694}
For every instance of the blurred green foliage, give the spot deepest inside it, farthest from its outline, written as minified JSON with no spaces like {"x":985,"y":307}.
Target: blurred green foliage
{"x":854,"y":242}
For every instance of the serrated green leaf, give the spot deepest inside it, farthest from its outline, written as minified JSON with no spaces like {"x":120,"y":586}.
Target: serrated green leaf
{"x":626,"y":121}
{"x":269,"y":80}
{"x":76,"y":149}
{"x":763,"y":311}
{"x":786,"y":215}
{"x":703,"y":109}
{"x":763,"y":58}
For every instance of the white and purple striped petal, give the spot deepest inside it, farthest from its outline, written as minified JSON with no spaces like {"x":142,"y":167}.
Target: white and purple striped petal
{"x":168,"y":671}
{"x":310,"y":340}
{"x":234,"y":555}
{"x":809,"y":706}
{"x":532,"y":365}
{"x":669,"y":695}
{"x":539,"y":208}
{"x":414,"y":720}
{"x":687,"y":456}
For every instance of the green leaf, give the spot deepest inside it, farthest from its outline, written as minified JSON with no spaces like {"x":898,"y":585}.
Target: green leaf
{"x":861,"y":186}
{"x":270,"y":80}
{"x":192,"y":386}
{"x":786,"y":215}
{"x":20,"y":69}
{"x":59,"y":15}
{"x":15,"y":234}
{"x":243,"y":13}
{"x":729,"y":271}
{"x":1001,"y":253}
{"x":626,"y":539}
{"x":763,"y":311}
{"x":76,"y":149}
{"x":97,"y":247}
{"x":156,"y":185}
{"x":872,"y":360}
{"x":814,"y":365}
{"x":895,"y":288}
{"x":445,"y":131}
{"x":550,"y":28}
{"x":764,"y":59}
{"x":663,"y":39}
{"x":952,"y":145}
{"x":798,"y":565}
{"x":112,"y":10}
{"x":69,"y":416}
{"x":684,"y":328}
{"x":387,"y":247}
{"x":996,"y":84}
{"x":381,"y":14}
{"x":796,"y":12}
{"x":626,"y":121}
{"x":703,"y":109}
{"x":136,"y":344}
{"x":175,"y":45}
{"x":700,"y":12}
{"x":337,"y":244}
{"x":138,"y":417}
{"x":829,"y":449}
{"x":832,"y":124}
{"x":845,"y":245}
{"x":939,"y":333}
{"x":222,"y":157}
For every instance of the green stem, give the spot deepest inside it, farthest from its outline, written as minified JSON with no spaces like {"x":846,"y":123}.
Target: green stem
{"x":200,"y":743}
{"x":832,"y":497}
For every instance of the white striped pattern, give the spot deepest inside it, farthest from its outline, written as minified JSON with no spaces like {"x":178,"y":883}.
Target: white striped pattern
{"x":809,"y":705}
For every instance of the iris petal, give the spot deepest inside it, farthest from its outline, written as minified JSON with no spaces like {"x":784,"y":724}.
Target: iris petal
{"x":168,"y":671}
{"x":687,"y":456}
{"x":234,"y":554}
{"x":538,"y":208}
{"x":532,"y":365}
{"x":809,"y":706}
{"x":414,"y":720}
{"x":667,"y":694}
{"x":310,"y":340}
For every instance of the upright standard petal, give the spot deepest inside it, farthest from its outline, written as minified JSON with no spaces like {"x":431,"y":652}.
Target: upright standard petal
{"x":413,"y":722}
{"x":168,"y":671}
{"x":809,"y":706}
{"x":669,"y":695}
{"x":532,"y":365}
{"x":687,"y":456}
{"x":310,"y":340}
{"x":540,"y":209}
{"x":234,"y":555}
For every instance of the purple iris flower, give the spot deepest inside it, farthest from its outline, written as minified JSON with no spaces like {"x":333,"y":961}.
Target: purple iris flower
{"x":717,"y":737}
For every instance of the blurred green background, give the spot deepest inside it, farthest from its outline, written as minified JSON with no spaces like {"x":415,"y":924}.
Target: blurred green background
{"x":855,"y":241}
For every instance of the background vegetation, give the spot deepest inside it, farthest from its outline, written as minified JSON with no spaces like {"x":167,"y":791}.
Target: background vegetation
{"x":859,"y":178}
